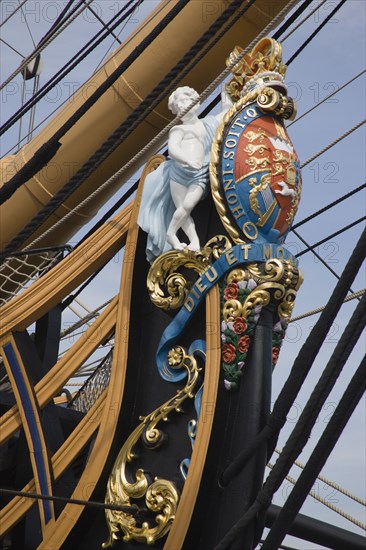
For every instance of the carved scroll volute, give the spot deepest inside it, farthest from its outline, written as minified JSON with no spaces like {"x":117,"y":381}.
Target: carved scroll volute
{"x":161,"y":496}
{"x":167,"y":287}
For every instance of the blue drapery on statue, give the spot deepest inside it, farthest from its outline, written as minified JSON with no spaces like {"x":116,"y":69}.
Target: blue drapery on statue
{"x":157,"y":206}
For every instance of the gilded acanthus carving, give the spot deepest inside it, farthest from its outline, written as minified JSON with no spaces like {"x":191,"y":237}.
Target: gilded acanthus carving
{"x":163,"y":273}
{"x":161,"y":496}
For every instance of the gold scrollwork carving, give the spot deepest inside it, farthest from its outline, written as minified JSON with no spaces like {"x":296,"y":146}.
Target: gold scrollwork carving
{"x":217,"y":246}
{"x":161,"y":496}
{"x":237,"y":275}
{"x":277,"y":281}
{"x":163,"y":272}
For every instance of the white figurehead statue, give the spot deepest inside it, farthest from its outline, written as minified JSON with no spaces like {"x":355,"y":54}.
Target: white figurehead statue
{"x":173,"y":190}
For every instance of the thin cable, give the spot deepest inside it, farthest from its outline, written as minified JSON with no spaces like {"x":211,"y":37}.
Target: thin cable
{"x":70,"y":65}
{"x":60,"y":19}
{"x":40,"y":48}
{"x":111,"y":46}
{"x":72,"y":297}
{"x":322,"y":500}
{"x":348,"y":298}
{"x":319,"y":456}
{"x":282,"y":547}
{"x":327,"y":97}
{"x":33,"y":110}
{"x":302,"y":363}
{"x":12,"y":13}
{"x":26,"y":22}
{"x":317,"y":30}
{"x":11,"y":47}
{"x":339,"y":232}
{"x":333,"y":143}
{"x":16,"y":146}
{"x":158,"y":138}
{"x":292,"y":18}
{"x":66,"y":100}
{"x":105,"y":25}
{"x":330,"y":205}
{"x":91,"y":503}
{"x":318,"y":257}
{"x":49,"y":149}
{"x":317,"y":7}
{"x":330,"y":483}
{"x":111,"y":211}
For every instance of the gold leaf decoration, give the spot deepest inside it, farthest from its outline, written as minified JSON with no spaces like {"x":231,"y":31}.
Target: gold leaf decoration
{"x":163,"y":272}
{"x":161,"y":496}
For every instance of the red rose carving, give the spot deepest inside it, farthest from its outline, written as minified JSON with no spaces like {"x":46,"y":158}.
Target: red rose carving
{"x":231,"y":291}
{"x":240,"y":325}
{"x":243,"y":344}
{"x":228,"y":353}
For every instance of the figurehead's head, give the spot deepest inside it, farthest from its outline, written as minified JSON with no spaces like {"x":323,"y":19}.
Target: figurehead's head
{"x":181,"y":99}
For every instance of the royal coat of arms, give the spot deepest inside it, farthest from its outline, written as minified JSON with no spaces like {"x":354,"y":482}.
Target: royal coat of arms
{"x":255,"y":171}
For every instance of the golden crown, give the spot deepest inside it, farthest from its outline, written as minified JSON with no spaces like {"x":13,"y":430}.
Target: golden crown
{"x":261,"y":67}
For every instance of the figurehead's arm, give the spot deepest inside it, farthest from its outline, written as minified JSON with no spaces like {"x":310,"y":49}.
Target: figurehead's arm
{"x":226,"y":104}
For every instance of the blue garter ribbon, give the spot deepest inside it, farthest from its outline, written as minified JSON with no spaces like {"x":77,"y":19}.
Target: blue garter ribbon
{"x":232,"y":258}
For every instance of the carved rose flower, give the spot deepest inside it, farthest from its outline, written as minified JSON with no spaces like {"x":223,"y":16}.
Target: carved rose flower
{"x":275,"y":354}
{"x":240,"y":325}
{"x":175,"y":356}
{"x":243,"y":344}
{"x":228,"y":353}
{"x":231,"y":291}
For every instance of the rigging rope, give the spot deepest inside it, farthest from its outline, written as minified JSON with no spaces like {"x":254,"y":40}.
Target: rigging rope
{"x":60,"y":19}
{"x":308,"y":417}
{"x":125,"y":129}
{"x":318,"y":256}
{"x":84,"y":320}
{"x":40,"y":48}
{"x":276,"y":36}
{"x":319,"y":456}
{"x":327,"y":97}
{"x":328,"y":206}
{"x":70,"y":65}
{"x":47,"y":150}
{"x":339,"y":232}
{"x":49,"y":115}
{"x":105,"y":25}
{"x":302,"y":363}
{"x":330,"y":483}
{"x":291,"y":19}
{"x":320,"y":309}
{"x":333,"y":143}
{"x":163,"y":132}
{"x":27,"y":25}
{"x":13,"y":13}
{"x":11,"y":47}
{"x":313,"y":34}
{"x":317,"y":7}
{"x":91,"y":503}
{"x":317,"y":497}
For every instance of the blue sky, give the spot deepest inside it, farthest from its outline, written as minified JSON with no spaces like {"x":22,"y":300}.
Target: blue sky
{"x":336,"y":55}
